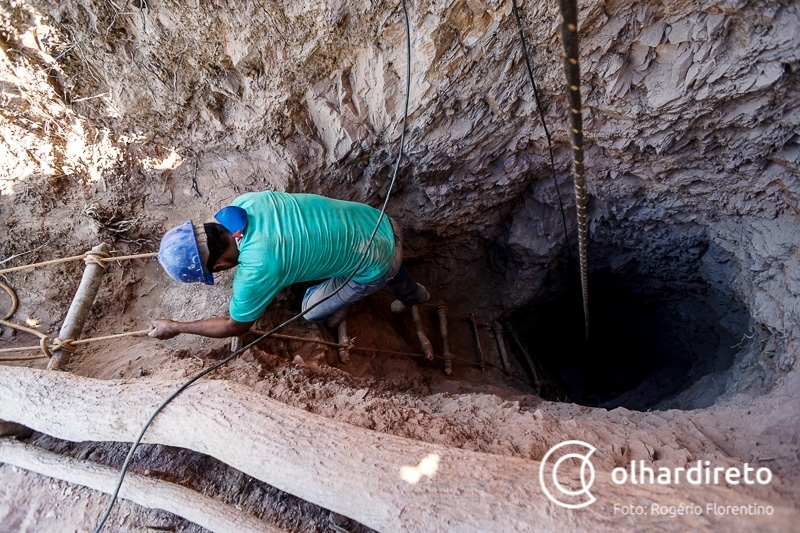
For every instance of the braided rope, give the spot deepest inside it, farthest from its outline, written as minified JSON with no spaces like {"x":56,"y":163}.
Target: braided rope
{"x":571,"y":50}
{"x":99,"y":260}
{"x":69,"y":345}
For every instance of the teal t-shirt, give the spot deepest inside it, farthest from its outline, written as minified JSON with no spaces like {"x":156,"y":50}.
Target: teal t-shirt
{"x":291,"y":238}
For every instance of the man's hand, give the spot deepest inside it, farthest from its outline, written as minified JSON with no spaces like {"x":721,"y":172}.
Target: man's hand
{"x":163,"y":329}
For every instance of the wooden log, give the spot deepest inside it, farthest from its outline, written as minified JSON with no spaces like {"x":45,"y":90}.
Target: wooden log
{"x":344,"y":351}
{"x":12,"y":429}
{"x":427,"y":348}
{"x":146,"y":491}
{"x":448,"y":356}
{"x":534,"y":375}
{"x":385,"y":482}
{"x":478,"y":342}
{"x":79,"y":308}
{"x":501,"y":346}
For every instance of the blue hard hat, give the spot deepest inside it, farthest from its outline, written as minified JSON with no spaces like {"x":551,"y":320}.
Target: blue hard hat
{"x":234,"y":219}
{"x":180,"y":256}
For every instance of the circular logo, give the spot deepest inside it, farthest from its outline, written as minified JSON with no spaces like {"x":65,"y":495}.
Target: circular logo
{"x":565,"y":495}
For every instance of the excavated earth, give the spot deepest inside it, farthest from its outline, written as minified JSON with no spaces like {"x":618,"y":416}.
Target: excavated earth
{"x":119,"y":120}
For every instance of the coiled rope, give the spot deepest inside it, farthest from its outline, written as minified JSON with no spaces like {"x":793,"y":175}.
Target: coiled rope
{"x":571,"y":51}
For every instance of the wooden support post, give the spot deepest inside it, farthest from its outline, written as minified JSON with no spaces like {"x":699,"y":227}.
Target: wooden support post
{"x":528,"y":357}
{"x":448,"y":356}
{"x":427,"y":348}
{"x":478,"y":342}
{"x":501,"y":346}
{"x":79,"y":309}
{"x":344,"y":351}
{"x":236,"y":343}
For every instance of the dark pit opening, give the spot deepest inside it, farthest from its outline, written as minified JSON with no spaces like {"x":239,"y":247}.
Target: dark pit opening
{"x":649,"y":341}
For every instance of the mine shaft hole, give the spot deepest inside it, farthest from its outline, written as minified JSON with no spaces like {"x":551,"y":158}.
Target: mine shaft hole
{"x":646,"y":345}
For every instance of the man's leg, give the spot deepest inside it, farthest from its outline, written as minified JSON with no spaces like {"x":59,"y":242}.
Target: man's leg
{"x":406,"y":290}
{"x":348,"y":295}
{"x":401,"y":284}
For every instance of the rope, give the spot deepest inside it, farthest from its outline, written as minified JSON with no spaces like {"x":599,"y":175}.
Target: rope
{"x":101,"y":259}
{"x":139,"y":333}
{"x":65,"y":344}
{"x":134,"y":256}
{"x":23,"y":358}
{"x":351,"y":345}
{"x":43,"y":263}
{"x":42,"y":337}
{"x":14,"y":300}
{"x":571,"y":50}
{"x":22,"y":328}
{"x":44,"y":347}
{"x":69,"y":345}
{"x":96,"y":258}
{"x":88,"y":257}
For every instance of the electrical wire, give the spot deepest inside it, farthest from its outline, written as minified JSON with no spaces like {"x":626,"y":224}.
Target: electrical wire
{"x":238,"y":352}
{"x":544,"y":124}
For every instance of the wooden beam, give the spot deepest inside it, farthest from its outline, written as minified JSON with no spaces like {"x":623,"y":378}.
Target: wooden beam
{"x":386,"y":482}
{"x":146,"y":491}
{"x":79,"y":308}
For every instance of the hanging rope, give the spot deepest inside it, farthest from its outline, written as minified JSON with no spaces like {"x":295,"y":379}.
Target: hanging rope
{"x":571,"y":50}
{"x":14,"y":300}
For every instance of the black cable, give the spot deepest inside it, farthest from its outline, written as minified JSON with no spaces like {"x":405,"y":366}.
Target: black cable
{"x":238,"y":352}
{"x":544,"y":124}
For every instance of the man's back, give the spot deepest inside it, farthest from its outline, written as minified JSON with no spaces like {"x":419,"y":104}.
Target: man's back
{"x":293,"y":238}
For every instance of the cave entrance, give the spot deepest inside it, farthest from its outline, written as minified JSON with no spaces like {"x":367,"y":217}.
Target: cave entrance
{"x":649,"y":342}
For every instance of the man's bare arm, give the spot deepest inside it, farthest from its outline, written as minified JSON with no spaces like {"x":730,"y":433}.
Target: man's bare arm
{"x":211,"y":327}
